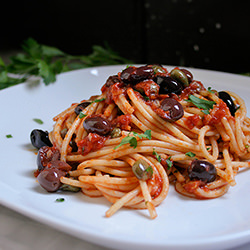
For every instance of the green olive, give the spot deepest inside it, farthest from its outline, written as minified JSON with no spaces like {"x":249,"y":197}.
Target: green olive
{"x":180,"y":76}
{"x":142,"y":170}
{"x":158,"y":69}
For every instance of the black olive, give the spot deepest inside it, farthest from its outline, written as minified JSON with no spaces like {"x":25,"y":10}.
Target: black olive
{"x":173,"y":110}
{"x":225,"y":97}
{"x":112,"y":80}
{"x":40,"y":138}
{"x":98,"y":125}
{"x":49,"y":179}
{"x":168,"y":85}
{"x":202,"y":170}
{"x":133,"y":75}
{"x":45,"y":155}
{"x":81,"y":107}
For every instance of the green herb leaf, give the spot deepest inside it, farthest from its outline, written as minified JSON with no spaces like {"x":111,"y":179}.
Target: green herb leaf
{"x":210,"y":91}
{"x":158,"y":157}
{"x":201,"y":103}
{"x":81,"y":115}
{"x":9,"y":136}
{"x":47,"y":61}
{"x":169,"y":162}
{"x":132,"y":139}
{"x":190,"y":154}
{"x":37,"y":120}
{"x":60,"y":200}
{"x":98,"y":100}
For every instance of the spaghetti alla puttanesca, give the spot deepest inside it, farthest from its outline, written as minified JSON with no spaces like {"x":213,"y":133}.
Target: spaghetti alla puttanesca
{"x":148,"y":128}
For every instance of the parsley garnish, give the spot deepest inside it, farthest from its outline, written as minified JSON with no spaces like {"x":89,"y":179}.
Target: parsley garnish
{"x":201,"y":103}
{"x":210,"y":91}
{"x":98,"y":100}
{"x":60,"y":200}
{"x":169,"y":162}
{"x":190,"y":154}
{"x":158,"y":157}
{"x":37,"y":120}
{"x":132,"y":139}
{"x":9,"y":136}
{"x":46,"y":62}
{"x":81,"y":115}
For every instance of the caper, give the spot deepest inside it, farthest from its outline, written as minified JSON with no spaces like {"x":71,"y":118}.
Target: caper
{"x":180,"y":76}
{"x":116,"y":132}
{"x":142,"y":170}
{"x":66,"y":187}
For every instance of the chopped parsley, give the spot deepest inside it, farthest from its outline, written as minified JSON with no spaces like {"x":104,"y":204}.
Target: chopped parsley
{"x":60,"y":200}
{"x":169,"y":162}
{"x":37,"y":120}
{"x":190,"y":154}
{"x":9,"y":136}
{"x":98,"y":100}
{"x":158,"y":157}
{"x":132,"y":139}
{"x":81,"y":115}
{"x":210,"y":90}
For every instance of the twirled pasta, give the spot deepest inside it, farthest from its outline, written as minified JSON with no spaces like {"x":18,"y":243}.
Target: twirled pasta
{"x":213,"y":135}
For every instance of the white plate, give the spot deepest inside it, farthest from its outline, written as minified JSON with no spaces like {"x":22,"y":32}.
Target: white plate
{"x":182,"y":223}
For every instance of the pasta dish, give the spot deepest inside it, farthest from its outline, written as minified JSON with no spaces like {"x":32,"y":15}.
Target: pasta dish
{"x":148,"y":129}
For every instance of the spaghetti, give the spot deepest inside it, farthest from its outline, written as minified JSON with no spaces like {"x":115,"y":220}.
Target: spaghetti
{"x":148,"y":128}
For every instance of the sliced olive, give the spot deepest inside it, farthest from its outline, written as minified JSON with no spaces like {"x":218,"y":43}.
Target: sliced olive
{"x":97,"y":124}
{"x":172,"y":109}
{"x":225,"y":97}
{"x":202,"y":170}
{"x":168,"y":85}
{"x":40,"y":138}
{"x":142,"y":170}
{"x":81,"y":107}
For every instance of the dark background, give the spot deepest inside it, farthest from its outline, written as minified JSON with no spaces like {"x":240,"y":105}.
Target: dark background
{"x":209,"y":34}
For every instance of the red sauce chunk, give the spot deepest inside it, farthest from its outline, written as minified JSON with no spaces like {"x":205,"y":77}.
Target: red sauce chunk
{"x":219,"y":111}
{"x":90,"y":143}
{"x":149,"y":88}
{"x":156,"y":183}
{"x":193,"y":121}
{"x":123,"y":122}
{"x":194,"y":87}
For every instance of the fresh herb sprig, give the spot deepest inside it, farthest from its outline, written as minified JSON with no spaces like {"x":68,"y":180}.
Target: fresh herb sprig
{"x":132,"y":139}
{"x":205,"y":105}
{"x":47,"y":61}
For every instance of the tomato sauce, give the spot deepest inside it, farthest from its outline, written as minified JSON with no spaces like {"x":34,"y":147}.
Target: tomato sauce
{"x":123,"y":122}
{"x":193,"y":121}
{"x":90,"y":143}
{"x":219,"y":111}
